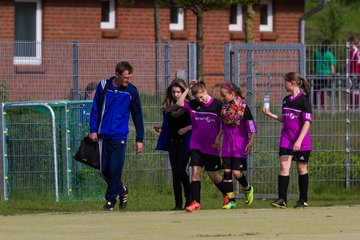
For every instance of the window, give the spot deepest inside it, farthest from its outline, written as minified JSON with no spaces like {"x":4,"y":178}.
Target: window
{"x":107,"y":14}
{"x":176,"y":18}
{"x":235,"y":18}
{"x":266,"y":16}
{"x":28,"y":32}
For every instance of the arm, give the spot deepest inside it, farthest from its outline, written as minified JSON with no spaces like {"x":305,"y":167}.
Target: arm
{"x":93,"y":127}
{"x":250,"y":144}
{"x":219,"y":139}
{"x":181,"y":101}
{"x":136,"y":114}
{"x":271,"y":115}
{"x":184,"y":130}
{"x":303,"y":132}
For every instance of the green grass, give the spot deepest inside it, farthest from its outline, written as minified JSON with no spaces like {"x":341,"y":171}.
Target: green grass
{"x":161,"y":199}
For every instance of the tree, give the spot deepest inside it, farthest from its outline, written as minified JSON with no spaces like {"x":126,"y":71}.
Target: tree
{"x":198,"y":7}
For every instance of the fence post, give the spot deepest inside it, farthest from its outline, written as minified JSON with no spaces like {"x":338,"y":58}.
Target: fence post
{"x":3,"y":186}
{"x":302,"y":60}
{"x":157,"y":70}
{"x":347,"y":174}
{"x":75,"y":59}
{"x":192,"y":61}
{"x":227,"y":62}
{"x":167,"y":64}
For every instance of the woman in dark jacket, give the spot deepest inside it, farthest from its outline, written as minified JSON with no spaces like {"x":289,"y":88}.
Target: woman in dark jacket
{"x":174,"y":138}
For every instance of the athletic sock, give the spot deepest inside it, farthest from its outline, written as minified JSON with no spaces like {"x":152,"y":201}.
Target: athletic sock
{"x":303,"y":186}
{"x":228,"y":182}
{"x":243,"y":182}
{"x":195,"y":190}
{"x":283,"y":183}
{"x":221,"y":187}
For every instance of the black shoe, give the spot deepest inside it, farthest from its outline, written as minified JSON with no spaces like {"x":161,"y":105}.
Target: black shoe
{"x":279,"y":203}
{"x":301,"y":204}
{"x":108,"y":206}
{"x":123,"y":199}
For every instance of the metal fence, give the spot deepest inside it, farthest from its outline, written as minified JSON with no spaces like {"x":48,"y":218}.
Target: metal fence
{"x":47,"y":96}
{"x":37,"y":158}
{"x":335,"y":131}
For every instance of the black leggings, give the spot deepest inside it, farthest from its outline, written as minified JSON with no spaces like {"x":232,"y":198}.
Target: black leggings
{"x":179,"y":159}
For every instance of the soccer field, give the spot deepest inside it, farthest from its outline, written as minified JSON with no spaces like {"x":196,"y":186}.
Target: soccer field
{"x":339,"y":222}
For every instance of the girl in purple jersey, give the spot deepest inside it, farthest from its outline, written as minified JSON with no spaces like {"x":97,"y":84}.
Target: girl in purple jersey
{"x":206,"y":123}
{"x":236,"y":139}
{"x":295,"y":141}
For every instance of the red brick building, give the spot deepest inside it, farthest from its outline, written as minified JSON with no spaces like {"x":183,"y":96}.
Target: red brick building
{"x":276,"y":21}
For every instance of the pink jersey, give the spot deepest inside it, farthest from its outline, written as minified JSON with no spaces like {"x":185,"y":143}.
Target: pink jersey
{"x":295,"y":112}
{"x":206,"y":124}
{"x":236,"y":138}
{"x":355,"y":61}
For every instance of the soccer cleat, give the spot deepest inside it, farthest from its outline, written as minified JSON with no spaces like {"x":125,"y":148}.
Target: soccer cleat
{"x":194,"y":206}
{"x":108,"y":206}
{"x":249,"y":194}
{"x":230,"y":205}
{"x":226,"y":200}
{"x":301,"y":204}
{"x":279,"y":203}
{"x":123,"y":198}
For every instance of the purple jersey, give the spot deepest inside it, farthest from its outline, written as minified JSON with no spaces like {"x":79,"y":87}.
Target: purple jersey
{"x":206,"y":124}
{"x":237,"y":137}
{"x":295,"y":111}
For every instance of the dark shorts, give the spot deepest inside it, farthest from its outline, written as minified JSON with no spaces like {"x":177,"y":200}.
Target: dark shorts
{"x":299,"y":156}
{"x":235,"y":163}
{"x":212,"y":163}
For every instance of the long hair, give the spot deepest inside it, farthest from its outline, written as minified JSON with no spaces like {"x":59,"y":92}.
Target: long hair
{"x":169,"y":99}
{"x":299,"y":80}
{"x":231,"y":87}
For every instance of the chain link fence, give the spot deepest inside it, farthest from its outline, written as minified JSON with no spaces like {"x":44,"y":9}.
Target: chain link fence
{"x":44,"y":116}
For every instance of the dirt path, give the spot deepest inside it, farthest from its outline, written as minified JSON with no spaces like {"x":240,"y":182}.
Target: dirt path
{"x":312,"y":223}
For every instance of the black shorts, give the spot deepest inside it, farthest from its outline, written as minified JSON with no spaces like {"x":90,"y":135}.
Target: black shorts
{"x":299,"y":156}
{"x":212,"y":163}
{"x":235,"y":163}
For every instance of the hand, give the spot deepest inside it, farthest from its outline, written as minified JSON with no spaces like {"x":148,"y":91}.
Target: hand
{"x":192,"y":83}
{"x":248,"y":148}
{"x":93,"y":137}
{"x":182,"y":131}
{"x":157,"y":129}
{"x":266,"y":111}
{"x":217,"y":143}
{"x":297,"y":146}
{"x":139,"y":147}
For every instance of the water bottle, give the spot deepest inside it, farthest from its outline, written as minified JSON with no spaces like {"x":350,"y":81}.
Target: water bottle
{"x":266,"y":103}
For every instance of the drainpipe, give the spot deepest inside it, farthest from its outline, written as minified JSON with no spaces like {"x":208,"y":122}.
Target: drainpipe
{"x":307,"y":15}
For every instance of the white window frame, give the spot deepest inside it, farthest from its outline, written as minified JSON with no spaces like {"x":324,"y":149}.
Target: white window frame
{"x":180,"y":24}
{"x":269,"y":27}
{"x":111,"y":23}
{"x":37,"y":59}
{"x":239,"y":20}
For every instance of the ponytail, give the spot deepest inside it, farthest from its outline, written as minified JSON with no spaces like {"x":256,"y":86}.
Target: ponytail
{"x":305,"y":85}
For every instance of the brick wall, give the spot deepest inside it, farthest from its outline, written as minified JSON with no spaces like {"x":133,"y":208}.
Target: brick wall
{"x":70,"y":20}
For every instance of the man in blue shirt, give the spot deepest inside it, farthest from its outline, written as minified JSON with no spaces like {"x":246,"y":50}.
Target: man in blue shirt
{"x":111,"y":127}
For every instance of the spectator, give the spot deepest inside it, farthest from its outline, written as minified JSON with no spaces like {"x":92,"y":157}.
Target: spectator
{"x":354,"y":61}
{"x":325,"y":67}
{"x":90,"y":90}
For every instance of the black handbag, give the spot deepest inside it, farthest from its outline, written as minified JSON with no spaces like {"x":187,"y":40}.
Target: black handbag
{"x":88,"y":153}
